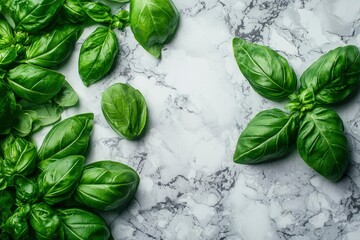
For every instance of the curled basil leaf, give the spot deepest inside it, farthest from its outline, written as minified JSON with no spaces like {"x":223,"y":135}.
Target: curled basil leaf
{"x":153,"y":23}
{"x":47,"y":113}
{"x":16,"y":225}
{"x":23,"y":123}
{"x":98,"y":12}
{"x":267,"y":72}
{"x":124,"y":108}
{"x":268,"y":136}
{"x":7,"y":107}
{"x":67,"y":97}
{"x":334,"y":76}
{"x":73,"y":11}
{"x":26,"y":189}
{"x":322,"y":144}
{"x":34,"y":15}
{"x":44,"y":221}
{"x":81,"y":224}
{"x":54,"y":47}
{"x":97,"y":55}
{"x":69,"y":137}
{"x":35,"y":84}
{"x":57,"y":182}
{"x":106,"y":185}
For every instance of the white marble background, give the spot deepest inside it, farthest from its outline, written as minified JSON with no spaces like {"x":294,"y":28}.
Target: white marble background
{"x":199,"y":102}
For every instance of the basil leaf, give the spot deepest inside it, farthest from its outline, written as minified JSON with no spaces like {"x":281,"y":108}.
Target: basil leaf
{"x":267,"y":72}
{"x":6,"y":33}
{"x":26,"y":189}
{"x":334,"y":76}
{"x":322,"y":143}
{"x":16,"y":224}
{"x":35,"y":84}
{"x":81,"y":224}
{"x":125,"y":110}
{"x":98,"y":12}
{"x":54,"y":47}
{"x":7,"y":107}
{"x":106,"y":185}
{"x":22,"y":125}
{"x":67,"y":97}
{"x":44,"y":221}
{"x":153,"y":23}
{"x":7,"y":56}
{"x":47,"y":113}
{"x":73,"y":11}
{"x":268,"y":136}
{"x":34,"y":15}
{"x":69,"y":137}
{"x":97,"y":55}
{"x":58,"y":181}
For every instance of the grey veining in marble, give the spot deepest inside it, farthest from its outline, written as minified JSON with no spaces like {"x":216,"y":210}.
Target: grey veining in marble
{"x":199,"y":102}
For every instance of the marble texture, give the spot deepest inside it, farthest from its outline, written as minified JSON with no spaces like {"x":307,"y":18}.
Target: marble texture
{"x":199,"y":103}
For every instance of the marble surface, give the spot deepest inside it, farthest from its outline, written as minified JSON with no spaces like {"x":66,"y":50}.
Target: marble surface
{"x":199,"y":103}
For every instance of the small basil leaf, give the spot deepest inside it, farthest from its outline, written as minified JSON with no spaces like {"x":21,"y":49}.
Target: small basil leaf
{"x":16,"y":225}
{"x":268,"y":136}
{"x":34,"y":15}
{"x":46,"y":114}
{"x":26,"y":189}
{"x":7,"y":107}
{"x":73,"y":11}
{"x":106,"y":185}
{"x":44,"y":221}
{"x":267,"y":72}
{"x":125,"y":110}
{"x":81,"y":224}
{"x":67,"y":97}
{"x":334,"y":76}
{"x":121,"y":20}
{"x":7,"y":56}
{"x":153,"y":23}
{"x":322,"y":144}
{"x":6,"y":33}
{"x":97,"y":11}
{"x":69,"y":137}
{"x":57,"y":182}
{"x":54,"y":47}
{"x":35,"y":84}
{"x":97,"y":55}
{"x":23,"y":124}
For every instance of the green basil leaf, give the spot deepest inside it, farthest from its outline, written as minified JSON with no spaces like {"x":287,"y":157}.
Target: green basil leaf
{"x":106,"y":185}
{"x":23,"y":124}
{"x":6,"y":33}
{"x":54,"y":47}
{"x":7,"y":107}
{"x":20,"y":153}
{"x":125,"y":110}
{"x":69,"y":137}
{"x":268,"y":136}
{"x":26,"y":189}
{"x":121,"y":20}
{"x":7,"y":56}
{"x":58,"y":181}
{"x":47,"y":113}
{"x":81,"y":224}
{"x":34,"y":15}
{"x":73,"y":11}
{"x":45,"y":163}
{"x":36,"y":123}
{"x":97,"y":55}
{"x":35,"y":84}
{"x":334,"y":76}
{"x":267,"y":72}
{"x":322,"y":144}
{"x":153,"y":23}
{"x":98,"y":12}
{"x":16,"y":225}
{"x":44,"y":221}
{"x":67,"y":97}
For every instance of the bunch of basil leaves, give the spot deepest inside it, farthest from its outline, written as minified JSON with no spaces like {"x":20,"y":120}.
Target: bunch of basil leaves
{"x":49,"y":194}
{"x":317,"y":129}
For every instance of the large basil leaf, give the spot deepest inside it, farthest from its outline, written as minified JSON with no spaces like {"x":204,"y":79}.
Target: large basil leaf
{"x":322,"y":143}
{"x":58,"y":181}
{"x":26,"y":189}
{"x":7,"y":56}
{"x":34,"y":15}
{"x":106,"y":185}
{"x":97,"y":55}
{"x":44,"y":221}
{"x":7,"y":107}
{"x":334,"y":76}
{"x":69,"y":137}
{"x":6,"y":33}
{"x":153,"y":23}
{"x":35,"y":84}
{"x":268,"y":136}
{"x":73,"y":11}
{"x":67,"y":97}
{"x":267,"y":72}
{"x":124,"y":108}
{"x":20,"y":154}
{"x":81,"y":224}
{"x":53,"y":48}
{"x":98,"y":12}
